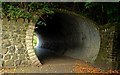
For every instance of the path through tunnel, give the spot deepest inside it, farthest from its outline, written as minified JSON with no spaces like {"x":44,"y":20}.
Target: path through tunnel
{"x":63,"y":34}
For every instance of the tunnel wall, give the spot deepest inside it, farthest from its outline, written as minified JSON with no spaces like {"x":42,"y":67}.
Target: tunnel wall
{"x":89,"y":38}
{"x":73,"y":35}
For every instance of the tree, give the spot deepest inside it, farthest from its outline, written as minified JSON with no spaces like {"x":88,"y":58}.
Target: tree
{"x":102,"y":13}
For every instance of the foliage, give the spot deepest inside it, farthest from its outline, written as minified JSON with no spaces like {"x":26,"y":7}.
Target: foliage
{"x":101,"y":12}
{"x":106,"y":12}
{"x":34,"y":40}
{"x":24,"y":10}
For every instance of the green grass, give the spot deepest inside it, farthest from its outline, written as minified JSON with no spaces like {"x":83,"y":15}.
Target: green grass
{"x":34,"y":39}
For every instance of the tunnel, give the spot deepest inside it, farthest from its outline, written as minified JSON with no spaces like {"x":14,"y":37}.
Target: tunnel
{"x":67,"y":34}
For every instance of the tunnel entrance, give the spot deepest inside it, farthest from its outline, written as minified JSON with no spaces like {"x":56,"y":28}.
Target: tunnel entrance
{"x":65,"y":34}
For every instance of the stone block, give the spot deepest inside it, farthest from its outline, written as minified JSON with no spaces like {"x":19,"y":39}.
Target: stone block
{"x":24,"y":62}
{"x":6,"y":43}
{"x":14,"y":35}
{"x":19,"y":46}
{"x":4,"y":51}
{"x":14,"y":56}
{"x":7,"y":57}
{"x":22,"y":57}
{"x":1,"y":63}
{"x":11,"y":49}
{"x":17,"y":62}
{"x":1,"y":56}
{"x":5,"y":36}
{"x":8,"y":63}
{"x":20,"y":51}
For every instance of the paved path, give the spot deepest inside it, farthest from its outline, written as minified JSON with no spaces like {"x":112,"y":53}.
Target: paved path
{"x":53,"y":65}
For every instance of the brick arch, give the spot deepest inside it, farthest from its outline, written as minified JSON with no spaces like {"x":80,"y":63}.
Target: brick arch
{"x":29,"y":45}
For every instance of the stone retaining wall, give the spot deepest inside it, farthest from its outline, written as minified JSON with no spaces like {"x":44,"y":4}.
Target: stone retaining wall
{"x":105,"y":58}
{"x":29,"y":45}
{"x":116,"y":48}
{"x":14,"y":51}
{"x":1,"y":56}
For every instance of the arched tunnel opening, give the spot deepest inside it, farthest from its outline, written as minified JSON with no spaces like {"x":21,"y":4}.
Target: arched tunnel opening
{"x":63,"y":34}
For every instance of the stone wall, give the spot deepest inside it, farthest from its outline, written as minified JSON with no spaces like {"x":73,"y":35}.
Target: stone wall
{"x":14,"y":52}
{"x":29,"y":45}
{"x":104,"y":59}
{"x":116,"y":48}
{"x":1,"y":56}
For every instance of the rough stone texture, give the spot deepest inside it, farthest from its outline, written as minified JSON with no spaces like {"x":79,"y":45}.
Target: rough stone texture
{"x":15,"y":56}
{"x":1,"y":64}
{"x":8,"y":63}
{"x":1,"y":56}
{"x":17,"y":62}
{"x":24,"y":62}
{"x":14,"y":51}
{"x":104,"y":59}
{"x":29,"y":45}
{"x":7,"y":56}
{"x":116,"y":48}
{"x":5,"y":51}
{"x":13,"y":44}
{"x":1,"y":52}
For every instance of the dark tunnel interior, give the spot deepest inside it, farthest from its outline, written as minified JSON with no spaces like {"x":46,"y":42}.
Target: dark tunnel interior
{"x":66,"y":35}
